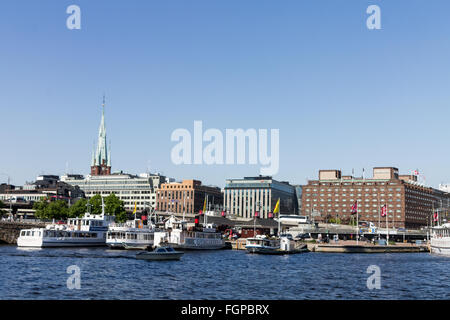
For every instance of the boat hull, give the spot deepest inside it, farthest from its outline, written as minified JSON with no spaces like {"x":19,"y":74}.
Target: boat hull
{"x":151,"y":256}
{"x":440,"y":246}
{"x":42,"y":243}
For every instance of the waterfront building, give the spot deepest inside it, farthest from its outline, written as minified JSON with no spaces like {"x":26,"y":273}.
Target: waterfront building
{"x":45,"y":186}
{"x":188,"y":196}
{"x":244,"y":197}
{"x":409,"y":203}
{"x":132,"y":189}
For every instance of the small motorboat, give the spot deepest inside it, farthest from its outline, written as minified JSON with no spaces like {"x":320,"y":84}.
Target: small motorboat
{"x":160,"y":253}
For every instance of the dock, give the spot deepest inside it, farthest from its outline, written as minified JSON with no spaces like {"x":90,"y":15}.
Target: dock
{"x":352,"y":247}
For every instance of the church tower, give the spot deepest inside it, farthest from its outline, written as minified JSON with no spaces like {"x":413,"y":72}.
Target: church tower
{"x":101,"y":161}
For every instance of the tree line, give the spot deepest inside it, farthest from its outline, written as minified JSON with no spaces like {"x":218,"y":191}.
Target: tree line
{"x":60,"y":210}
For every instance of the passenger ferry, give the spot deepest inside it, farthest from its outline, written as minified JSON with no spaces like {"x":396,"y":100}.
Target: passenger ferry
{"x":180,"y":235}
{"x":133,"y":234}
{"x":440,"y":239}
{"x":90,"y":230}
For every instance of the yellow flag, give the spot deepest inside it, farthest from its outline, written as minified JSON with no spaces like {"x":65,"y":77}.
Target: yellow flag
{"x":277,"y":207}
{"x":204,"y":205}
{"x":134,"y":211}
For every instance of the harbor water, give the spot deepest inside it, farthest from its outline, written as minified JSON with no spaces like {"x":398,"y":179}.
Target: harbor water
{"x":222,"y":274}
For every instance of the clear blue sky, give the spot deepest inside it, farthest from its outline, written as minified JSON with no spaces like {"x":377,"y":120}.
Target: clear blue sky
{"x":342,"y":96}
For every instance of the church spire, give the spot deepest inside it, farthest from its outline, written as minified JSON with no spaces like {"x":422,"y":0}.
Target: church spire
{"x":101,"y":163}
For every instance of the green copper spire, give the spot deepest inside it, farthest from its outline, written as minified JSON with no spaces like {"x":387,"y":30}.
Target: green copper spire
{"x":102,"y":155}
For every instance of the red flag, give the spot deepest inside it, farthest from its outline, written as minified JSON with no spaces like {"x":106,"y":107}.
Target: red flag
{"x":355,"y":207}
{"x":143,"y":218}
{"x":383,"y":211}
{"x":270,"y":215}
{"x":435,"y":216}
{"x":223,"y":213}
{"x":200,"y":212}
{"x":256,"y":213}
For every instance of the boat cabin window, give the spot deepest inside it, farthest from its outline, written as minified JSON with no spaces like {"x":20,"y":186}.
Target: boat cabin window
{"x":160,"y":250}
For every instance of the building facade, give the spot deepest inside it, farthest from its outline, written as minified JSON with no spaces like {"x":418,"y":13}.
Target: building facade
{"x":188,"y":196}
{"x":132,"y":189}
{"x":409,"y":204}
{"x":244,"y":197}
{"x":45,"y":186}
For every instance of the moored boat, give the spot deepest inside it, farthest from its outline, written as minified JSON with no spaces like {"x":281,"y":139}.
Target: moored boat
{"x":181,"y":235}
{"x":440,"y":239}
{"x":283,"y":245}
{"x":88,"y":231}
{"x":133,"y":234}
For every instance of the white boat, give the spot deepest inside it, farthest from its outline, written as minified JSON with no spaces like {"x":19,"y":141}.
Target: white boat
{"x":90,"y":230}
{"x":284,"y":245}
{"x":440,"y":239}
{"x":160,"y":253}
{"x":132,"y":234}
{"x":261,"y":244}
{"x":182,"y":235}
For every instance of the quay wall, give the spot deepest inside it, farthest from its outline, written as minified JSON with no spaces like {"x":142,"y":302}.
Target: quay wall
{"x":10,"y":230}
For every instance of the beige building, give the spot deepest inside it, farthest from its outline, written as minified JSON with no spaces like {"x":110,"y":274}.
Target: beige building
{"x":187,"y":196}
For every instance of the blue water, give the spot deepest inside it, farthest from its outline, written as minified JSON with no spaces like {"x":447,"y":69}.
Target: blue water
{"x":225,"y":274}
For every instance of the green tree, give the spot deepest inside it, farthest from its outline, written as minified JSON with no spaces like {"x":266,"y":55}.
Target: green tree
{"x":51,"y":210}
{"x":2,"y":212}
{"x":40,"y":207}
{"x":114,"y":206}
{"x":78,"y":208}
{"x":57,"y":210}
{"x":96,"y":204}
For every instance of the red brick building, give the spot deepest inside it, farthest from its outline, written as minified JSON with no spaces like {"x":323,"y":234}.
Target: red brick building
{"x":409,"y":204}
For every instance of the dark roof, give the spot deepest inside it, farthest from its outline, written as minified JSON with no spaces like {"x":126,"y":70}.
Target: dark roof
{"x":219,"y":221}
{"x":260,"y":223}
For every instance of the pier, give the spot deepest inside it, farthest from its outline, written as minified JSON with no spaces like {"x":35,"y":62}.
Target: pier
{"x":353,"y":247}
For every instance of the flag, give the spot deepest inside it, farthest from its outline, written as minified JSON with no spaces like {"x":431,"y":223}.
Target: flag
{"x":416,"y":172}
{"x":277,"y":207}
{"x":134,"y":211}
{"x":383,"y":211}
{"x":270,"y":215}
{"x":256,"y":214}
{"x":435,"y":217}
{"x":355,"y":207}
{"x":223,"y":214}
{"x":204,"y":205}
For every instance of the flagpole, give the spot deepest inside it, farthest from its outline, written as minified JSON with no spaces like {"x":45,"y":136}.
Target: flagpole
{"x":379,"y":217}
{"x":357,"y":222}
{"x":387,"y":226}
